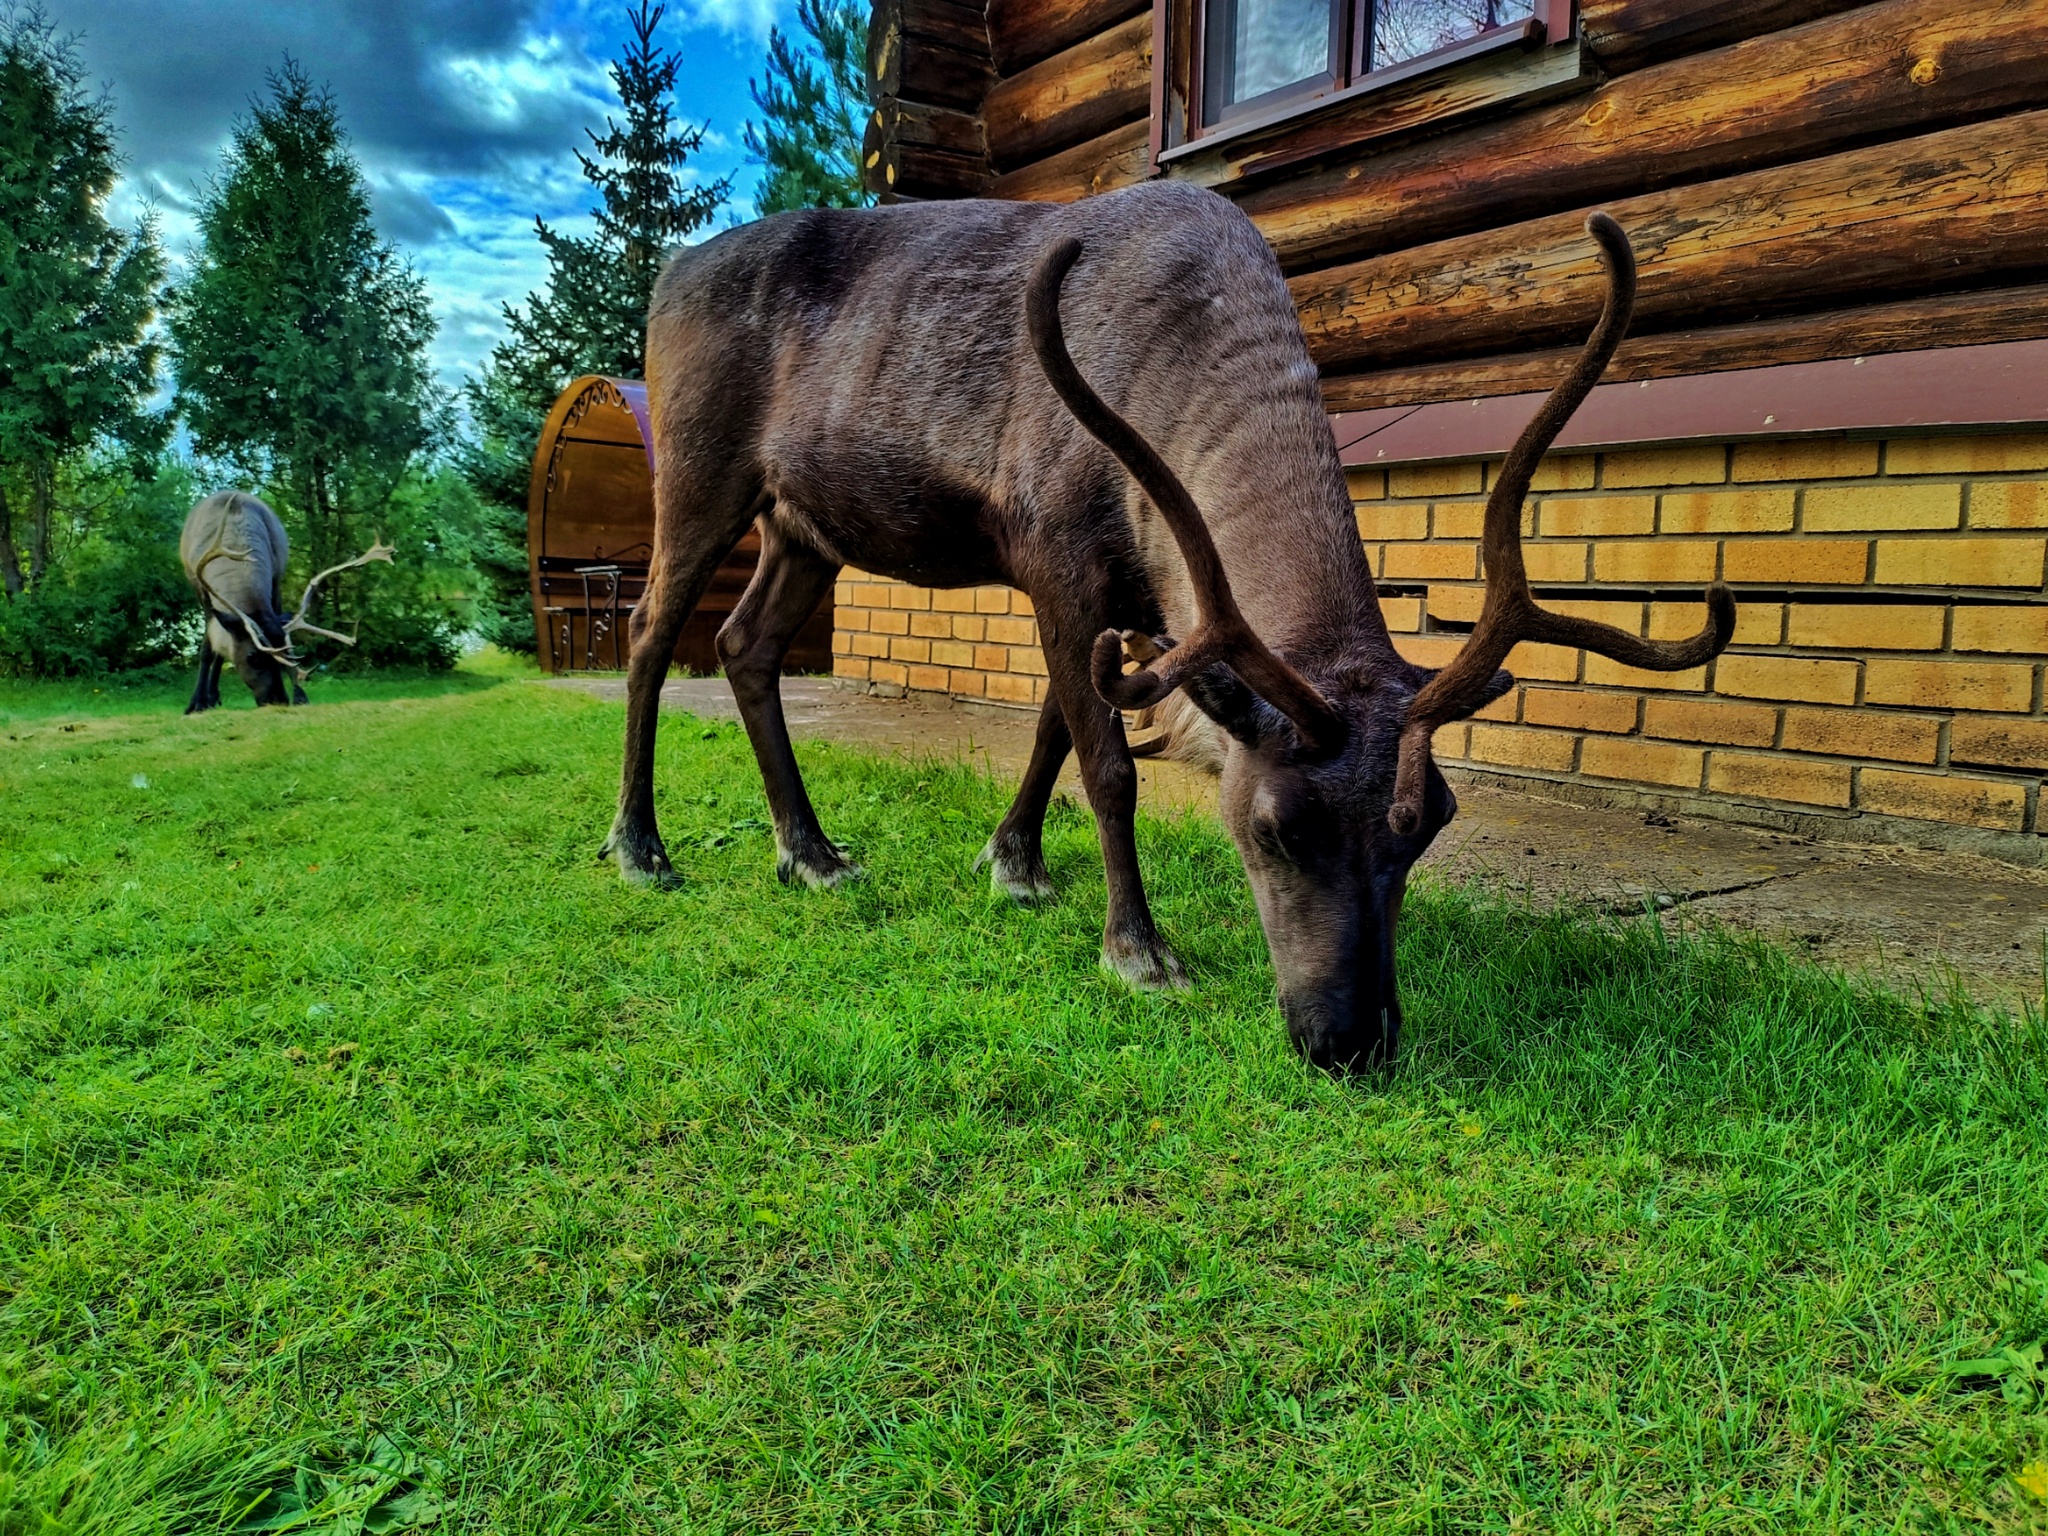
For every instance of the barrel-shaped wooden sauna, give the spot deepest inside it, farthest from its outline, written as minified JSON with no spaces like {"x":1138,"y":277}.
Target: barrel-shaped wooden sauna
{"x":590,"y":532}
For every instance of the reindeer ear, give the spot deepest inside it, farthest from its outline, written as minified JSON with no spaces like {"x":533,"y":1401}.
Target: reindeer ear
{"x":1220,"y":694}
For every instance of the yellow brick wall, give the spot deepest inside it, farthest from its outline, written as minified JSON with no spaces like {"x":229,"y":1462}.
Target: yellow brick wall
{"x":1893,"y":622}
{"x":971,"y":642}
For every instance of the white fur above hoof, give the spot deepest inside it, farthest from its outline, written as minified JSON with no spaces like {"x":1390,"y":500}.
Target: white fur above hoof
{"x":1024,"y":883}
{"x":818,"y":874}
{"x":1156,"y":969}
{"x":649,"y":877}
{"x":647,"y":868}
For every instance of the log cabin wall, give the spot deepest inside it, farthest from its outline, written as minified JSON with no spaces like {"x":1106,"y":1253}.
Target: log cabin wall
{"x":1803,"y":179}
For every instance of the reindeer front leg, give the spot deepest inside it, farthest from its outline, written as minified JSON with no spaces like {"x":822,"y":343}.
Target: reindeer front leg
{"x":1131,"y":945}
{"x":701,"y":507}
{"x":206,"y":693}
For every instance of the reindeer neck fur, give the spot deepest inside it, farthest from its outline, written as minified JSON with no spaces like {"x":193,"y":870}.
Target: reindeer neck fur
{"x":1237,"y":412}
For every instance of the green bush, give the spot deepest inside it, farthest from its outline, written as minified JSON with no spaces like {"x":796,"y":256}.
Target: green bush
{"x":495,"y":456}
{"x":117,"y":600}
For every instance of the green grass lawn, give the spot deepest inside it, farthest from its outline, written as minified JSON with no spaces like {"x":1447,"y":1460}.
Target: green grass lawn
{"x":371,"y":1158}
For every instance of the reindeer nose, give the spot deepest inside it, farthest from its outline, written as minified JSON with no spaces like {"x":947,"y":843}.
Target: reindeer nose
{"x":1333,"y":1033}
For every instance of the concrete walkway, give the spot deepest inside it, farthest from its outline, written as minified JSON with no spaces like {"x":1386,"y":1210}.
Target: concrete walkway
{"x":1907,"y":914}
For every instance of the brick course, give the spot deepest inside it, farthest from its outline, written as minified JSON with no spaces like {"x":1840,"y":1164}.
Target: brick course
{"x":1891,"y":638}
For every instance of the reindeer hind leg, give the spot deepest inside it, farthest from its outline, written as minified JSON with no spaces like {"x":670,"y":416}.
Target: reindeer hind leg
{"x":788,"y":585}
{"x":1015,"y":856}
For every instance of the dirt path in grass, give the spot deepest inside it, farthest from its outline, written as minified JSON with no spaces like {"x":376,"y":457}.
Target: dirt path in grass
{"x":1907,"y":913}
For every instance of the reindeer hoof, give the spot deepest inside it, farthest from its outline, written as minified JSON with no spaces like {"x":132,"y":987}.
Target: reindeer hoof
{"x":1147,"y":966}
{"x":820,"y":869}
{"x":641,"y":861}
{"x":1021,"y":877}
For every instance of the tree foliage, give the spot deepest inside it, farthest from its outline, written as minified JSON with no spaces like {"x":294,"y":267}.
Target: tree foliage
{"x":298,"y":338}
{"x":592,"y":315}
{"x":77,"y":295}
{"x":114,"y":597}
{"x":814,"y":107}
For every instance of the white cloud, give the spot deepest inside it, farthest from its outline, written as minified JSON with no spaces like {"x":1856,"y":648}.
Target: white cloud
{"x":747,"y":18}
{"x":502,"y":92}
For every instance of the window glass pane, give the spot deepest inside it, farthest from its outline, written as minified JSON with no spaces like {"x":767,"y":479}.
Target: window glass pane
{"x":1256,"y":46}
{"x":1406,"y":29}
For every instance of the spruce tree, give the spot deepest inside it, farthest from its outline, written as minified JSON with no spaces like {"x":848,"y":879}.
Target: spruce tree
{"x":298,"y":338}
{"x":76,"y":295}
{"x":814,"y":107}
{"x":592,"y":315}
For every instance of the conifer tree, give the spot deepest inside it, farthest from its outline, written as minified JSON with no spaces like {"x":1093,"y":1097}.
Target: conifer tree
{"x":814,"y":107}
{"x":76,"y":295}
{"x":298,"y":338}
{"x":592,"y":315}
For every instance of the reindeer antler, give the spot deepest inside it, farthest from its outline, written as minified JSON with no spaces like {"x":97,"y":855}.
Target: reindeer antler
{"x":1221,"y":634}
{"x":1509,"y":614}
{"x":378,"y":550}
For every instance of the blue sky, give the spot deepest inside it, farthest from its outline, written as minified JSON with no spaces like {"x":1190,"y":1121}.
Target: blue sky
{"x":462,"y":112}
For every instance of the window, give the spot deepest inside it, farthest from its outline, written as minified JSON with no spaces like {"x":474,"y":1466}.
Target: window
{"x":1253,"y":56}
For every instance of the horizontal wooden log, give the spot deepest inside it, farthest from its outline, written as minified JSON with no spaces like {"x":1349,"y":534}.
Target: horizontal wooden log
{"x":1629,"y":34}
{"x":1021,"y":32}
{"x":1117,"y":158}
{"x":918,"y":171}
{"x":909,"y":64}
{"x":1948,"y":320}
{"x":909,"y":122}
{"x":1966,"y":205}
{"x":913,"y":152}
{"x":1903,"y":66}
{"x":872,"y":143}
{"x":956,"y":24}
{"x":1084,"y":91}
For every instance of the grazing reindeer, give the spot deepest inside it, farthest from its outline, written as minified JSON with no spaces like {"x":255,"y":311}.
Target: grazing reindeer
{"x":899,"y":389}
{"x":234,"y":550}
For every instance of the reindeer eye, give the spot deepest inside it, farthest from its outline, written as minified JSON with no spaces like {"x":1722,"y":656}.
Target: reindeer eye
{"x":1284,"y":820}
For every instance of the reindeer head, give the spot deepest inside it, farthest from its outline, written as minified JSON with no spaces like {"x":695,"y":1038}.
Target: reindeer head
{"x":1328,"y":786}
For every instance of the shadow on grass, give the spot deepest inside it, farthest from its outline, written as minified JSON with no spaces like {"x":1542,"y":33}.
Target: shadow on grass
{"x":1608,"y":1025}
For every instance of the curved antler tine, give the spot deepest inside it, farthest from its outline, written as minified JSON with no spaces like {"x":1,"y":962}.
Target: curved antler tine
{"x":1155,"y":678}
{"x":1221,"y":634}
{"x":1510,"y":614}
{"x":254,"y":633}
{"x":1633,"y":650}
{"x":378,"y":550}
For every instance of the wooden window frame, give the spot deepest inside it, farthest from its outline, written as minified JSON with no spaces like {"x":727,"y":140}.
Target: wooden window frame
{"x":1178,"y":55}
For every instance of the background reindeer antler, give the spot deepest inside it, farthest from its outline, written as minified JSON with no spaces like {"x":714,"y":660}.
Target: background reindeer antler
{"x":1221,"y":634}
{"x":1509,"y":614}
{"x":378,"y":550}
